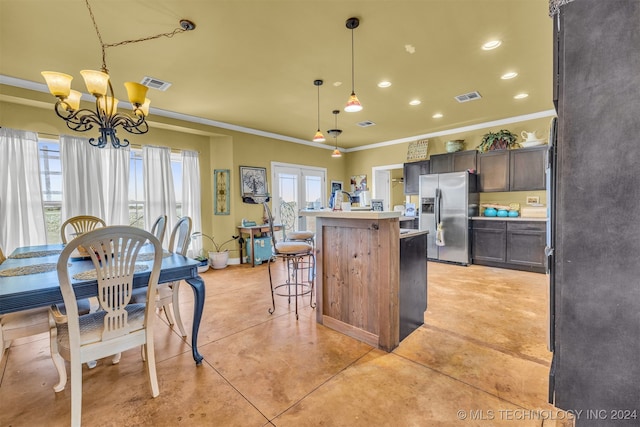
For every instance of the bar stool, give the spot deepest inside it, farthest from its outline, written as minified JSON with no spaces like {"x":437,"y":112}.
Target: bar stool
{"x":300,"y":259}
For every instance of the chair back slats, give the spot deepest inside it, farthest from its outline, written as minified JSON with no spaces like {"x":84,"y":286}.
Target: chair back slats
{"x":181,"y":236}
{"x":159,"y":227}
{"x":80,"y":225}
{"x":113,"y":251}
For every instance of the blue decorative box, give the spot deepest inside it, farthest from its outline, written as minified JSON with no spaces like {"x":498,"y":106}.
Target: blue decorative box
{"x":261,"y":247}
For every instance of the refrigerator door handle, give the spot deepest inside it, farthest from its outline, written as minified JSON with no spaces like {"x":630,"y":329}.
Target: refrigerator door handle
{"x":437,"y":208}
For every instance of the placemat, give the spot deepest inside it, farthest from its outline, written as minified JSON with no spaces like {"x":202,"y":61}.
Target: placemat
{"x":91,"y":274}
{"x":149,"y":256}
{"x":35,"y":254}
{"x":28,"y":269}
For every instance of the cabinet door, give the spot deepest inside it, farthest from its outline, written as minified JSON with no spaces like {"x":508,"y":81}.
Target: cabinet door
{"x":526,"y":169}
{"x":493,"y":171}
{"x":464,"y":160}
{"x":489,"y":241}
{"x":412,"y":172}
{"x":525,"y":243}
{"x":441,"y":163}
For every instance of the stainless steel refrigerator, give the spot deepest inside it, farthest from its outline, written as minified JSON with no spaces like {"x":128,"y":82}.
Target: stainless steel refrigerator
{"x":447,"y":203}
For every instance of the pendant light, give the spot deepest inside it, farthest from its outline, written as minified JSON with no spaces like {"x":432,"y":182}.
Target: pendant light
{"x":319,"y":137}
{"x":353,"y":104}
{"x":334,"y":133}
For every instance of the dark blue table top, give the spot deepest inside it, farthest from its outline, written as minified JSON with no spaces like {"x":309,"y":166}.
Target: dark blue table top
{"x":42,"y":289}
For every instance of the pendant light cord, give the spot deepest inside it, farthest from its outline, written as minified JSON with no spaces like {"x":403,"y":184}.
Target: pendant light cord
{"x":352,"y":65}
{"x":184,"y":26}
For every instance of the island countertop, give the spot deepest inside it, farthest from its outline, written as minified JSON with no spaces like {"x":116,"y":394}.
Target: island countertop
{"x":326,"y":213}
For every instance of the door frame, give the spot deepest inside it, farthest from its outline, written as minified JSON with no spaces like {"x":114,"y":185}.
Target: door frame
{"x":375,"y":185}
{"x":275,"y":207}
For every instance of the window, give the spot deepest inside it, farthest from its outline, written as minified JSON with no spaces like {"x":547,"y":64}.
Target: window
{"x":51,"y":179}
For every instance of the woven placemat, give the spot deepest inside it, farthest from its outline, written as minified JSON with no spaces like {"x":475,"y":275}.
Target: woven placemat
{"x":28,"y":269}
{"x":91,"y":274}
{"x":35,"y":254}
{"x":149,"y":257}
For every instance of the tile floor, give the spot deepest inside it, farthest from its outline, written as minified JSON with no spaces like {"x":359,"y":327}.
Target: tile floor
{"x":479,"y":360}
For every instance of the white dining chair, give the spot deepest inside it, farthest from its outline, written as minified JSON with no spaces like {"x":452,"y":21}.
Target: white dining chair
{"x":22,"y":324}
{"x":118,"y":325}
{"x":168,"y":299}
{"x":78,"y":225}
{"x":159,"y":227}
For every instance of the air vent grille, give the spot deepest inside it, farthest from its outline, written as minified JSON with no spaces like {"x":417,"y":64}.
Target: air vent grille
{"x":366,"y":123}
{"x":154,"y":83}
{"x":471,"y":96}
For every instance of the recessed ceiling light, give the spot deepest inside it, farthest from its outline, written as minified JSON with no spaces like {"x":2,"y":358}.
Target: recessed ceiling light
{"x":336,"y":84}
{"x":415,"y":102}
{"x":510,"y":75}
{"x":521,"y":96}
{"x":437,"y":116}
{"x":384,"y":84}
{"x":491,"y":45}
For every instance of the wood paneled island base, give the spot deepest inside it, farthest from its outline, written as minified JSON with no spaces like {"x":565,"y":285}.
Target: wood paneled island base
{"x":358,"y":265}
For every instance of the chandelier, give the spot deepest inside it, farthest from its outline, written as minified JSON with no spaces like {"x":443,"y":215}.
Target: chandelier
{"x":105,"y":114}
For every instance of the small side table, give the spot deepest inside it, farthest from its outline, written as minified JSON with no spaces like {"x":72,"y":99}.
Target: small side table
{"x":252,"y":231}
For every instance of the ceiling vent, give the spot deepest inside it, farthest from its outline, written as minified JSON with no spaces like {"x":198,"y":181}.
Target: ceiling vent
{"x":471,"y":96}
{"x":366,"y":124}
{"x":155,"y":83}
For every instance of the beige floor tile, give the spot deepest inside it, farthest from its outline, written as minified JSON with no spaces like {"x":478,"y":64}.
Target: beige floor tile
{"x":277,"y":363}
{"x":387,"y":390}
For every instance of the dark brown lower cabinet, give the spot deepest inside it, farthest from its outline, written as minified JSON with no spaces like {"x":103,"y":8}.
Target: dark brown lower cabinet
{"x":518,"y":245}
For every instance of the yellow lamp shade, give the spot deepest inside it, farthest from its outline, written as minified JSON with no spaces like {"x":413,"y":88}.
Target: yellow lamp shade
{"x":96,"y":82}
{"x":144,"y":108}
{"x":336,"y":153}
{"x":73,"y":100}
{"x":59,"y":83}
{"x":353,"y":104}
{"x":136,"y":92}
{"x":319,"y":137}
{"x":108,"y":104}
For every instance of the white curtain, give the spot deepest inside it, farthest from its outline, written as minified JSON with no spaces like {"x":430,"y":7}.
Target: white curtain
{"x":22,"y":220}
{"x":159,"y":194}
{"x":115,"y":179}
{"x":191,"y":205}
{"x":82,"y":178}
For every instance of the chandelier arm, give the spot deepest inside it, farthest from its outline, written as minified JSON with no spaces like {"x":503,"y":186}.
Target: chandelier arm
{"x":128,"y":123}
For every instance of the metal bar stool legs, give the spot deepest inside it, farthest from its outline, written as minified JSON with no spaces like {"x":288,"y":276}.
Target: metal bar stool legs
{"x":298,"y":266}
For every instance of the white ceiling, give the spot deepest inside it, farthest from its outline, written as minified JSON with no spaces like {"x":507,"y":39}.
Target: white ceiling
{"x":252,"y":64}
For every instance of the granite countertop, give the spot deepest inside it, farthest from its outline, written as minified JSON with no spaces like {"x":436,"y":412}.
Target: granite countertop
{"x":507,"y":218}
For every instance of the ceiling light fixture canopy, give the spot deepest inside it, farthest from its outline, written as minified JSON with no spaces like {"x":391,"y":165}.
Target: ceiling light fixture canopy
{"x":319,"y":137}
{"x":334,"y":133}
{"x":98,"y":84}
{"x":353,"y":104}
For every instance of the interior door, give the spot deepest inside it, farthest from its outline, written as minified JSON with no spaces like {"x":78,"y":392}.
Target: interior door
{"x":299,"y":184}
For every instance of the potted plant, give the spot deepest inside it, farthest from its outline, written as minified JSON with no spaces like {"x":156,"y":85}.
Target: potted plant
{"x":218,"y":258}
{"x":204,"y":262}
{"x":501,"y":140}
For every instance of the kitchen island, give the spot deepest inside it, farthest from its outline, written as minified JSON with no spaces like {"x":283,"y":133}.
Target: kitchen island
{"x":358,"y":276}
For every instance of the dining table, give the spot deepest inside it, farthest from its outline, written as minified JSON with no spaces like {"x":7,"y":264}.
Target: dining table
{"x":29,"y":279}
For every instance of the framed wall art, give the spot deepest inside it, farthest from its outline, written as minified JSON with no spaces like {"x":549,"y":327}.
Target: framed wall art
{"x":221,"y":191}
{"x":253,"y":184}
{"x":377,"y":205}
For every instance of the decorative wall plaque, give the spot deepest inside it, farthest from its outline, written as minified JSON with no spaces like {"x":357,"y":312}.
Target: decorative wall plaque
{"x":418,"y":150}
